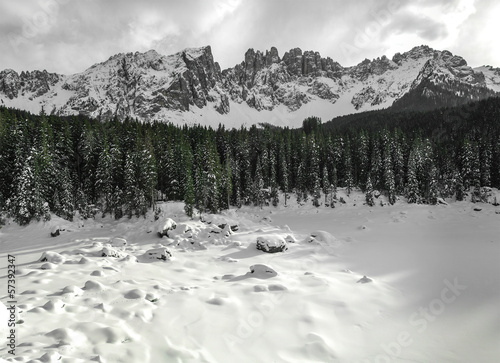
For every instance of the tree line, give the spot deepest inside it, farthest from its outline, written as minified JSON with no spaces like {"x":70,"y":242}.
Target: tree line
{"x":69,"y":165}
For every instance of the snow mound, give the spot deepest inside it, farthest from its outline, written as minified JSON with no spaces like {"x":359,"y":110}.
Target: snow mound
{"x":51,"y":357}
{"x":52,"y":257}
{"x":135,"y":294}
{"x":322,"y":238}
{"x":48,"y":266}
{"x":93,"y":285}
{"x":262,"y":271}
{"x":54,"y":306}
{"x":72,"y":289}
{"x":118,"y":242}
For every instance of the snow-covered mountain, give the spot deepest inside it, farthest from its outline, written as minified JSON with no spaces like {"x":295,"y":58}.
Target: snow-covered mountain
{"x":189,"y":86}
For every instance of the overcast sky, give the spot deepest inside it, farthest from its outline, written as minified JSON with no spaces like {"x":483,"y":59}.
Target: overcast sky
{"x":68,"y":36}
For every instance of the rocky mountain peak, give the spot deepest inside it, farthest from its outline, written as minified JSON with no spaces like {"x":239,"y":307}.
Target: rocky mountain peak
{"x":375,"y":67}
{"x":152,"y":86}
{"x":420,"y":52}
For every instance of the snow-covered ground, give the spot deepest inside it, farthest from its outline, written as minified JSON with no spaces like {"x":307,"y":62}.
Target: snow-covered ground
{"x":403,"y":283}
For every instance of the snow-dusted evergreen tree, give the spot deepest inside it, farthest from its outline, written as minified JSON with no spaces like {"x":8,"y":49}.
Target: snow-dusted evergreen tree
{"x":189,"y":196}
{"x":314,"y":180}
{"x":273,"y":178}
{"x":300,"y":184}
{"x":140,"y":181}
{"x":412,"y":189}
{"x":325,"y":183}
{"x":13,"y":150}
{"x":460,"y":193}
{"x":226,"y":187}
{"x":333,"y":188}
{"x":133,"y":197}
{"x":433,"y":188}
{"x":376,"y":165}
{"x":64,"y":205}
{"x":397,"y":150}
{"x":467,"y":164}
{"x":369,"y":192}
{"x":428,"y":173}
{"x":348,"y":179}
{"x":486,"y":157}
{"x":207,"y":177}
{"x":258,"y":185}
{"x":105,"y":181}
{"x":246,"y":171}
{"x":363,"y":162}
{"x":27,"y":202}
{"x":389,"y":183}
{"x":284,"y":170}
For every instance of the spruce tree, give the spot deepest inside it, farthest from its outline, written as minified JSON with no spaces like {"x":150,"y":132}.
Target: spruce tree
{"x":369,"y":192}
{"x":325,"y":183}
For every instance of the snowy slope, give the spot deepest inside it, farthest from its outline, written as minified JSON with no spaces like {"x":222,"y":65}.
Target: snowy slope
{"x":491,"y":75}
{"x":405,"y":283}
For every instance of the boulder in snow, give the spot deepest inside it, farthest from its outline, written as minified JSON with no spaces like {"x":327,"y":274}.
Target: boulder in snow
{"x":271,"y":244}
{"x":161,"y":253}
{"x":111,"y":252}
{"x":165,"y":226}
{"x":364,"y":280}
{"x":55,"y":231}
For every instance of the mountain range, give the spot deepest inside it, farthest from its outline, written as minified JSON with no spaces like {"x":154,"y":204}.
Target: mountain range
{"x":190,"y":87}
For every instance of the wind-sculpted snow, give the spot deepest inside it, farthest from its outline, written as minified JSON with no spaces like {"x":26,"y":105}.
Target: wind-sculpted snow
{"x":116,"y":292}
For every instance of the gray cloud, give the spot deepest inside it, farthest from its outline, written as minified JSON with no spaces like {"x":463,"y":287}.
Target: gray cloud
{"x":69,"y":36}
{"x":426,"y":28}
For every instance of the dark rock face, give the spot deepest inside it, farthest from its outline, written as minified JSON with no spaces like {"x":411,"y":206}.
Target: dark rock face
{"x":10,"y":83}
{"x":265,"y":81}
{"x":37,"y":83}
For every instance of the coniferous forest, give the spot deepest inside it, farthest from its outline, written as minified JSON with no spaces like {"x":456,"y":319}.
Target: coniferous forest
{"x":69,"y":165}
